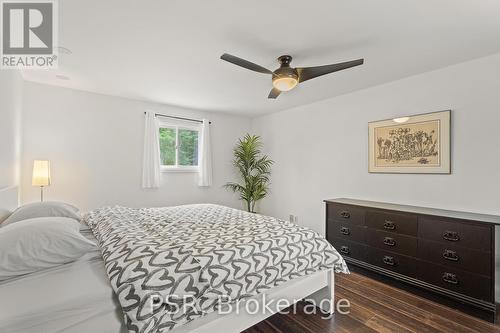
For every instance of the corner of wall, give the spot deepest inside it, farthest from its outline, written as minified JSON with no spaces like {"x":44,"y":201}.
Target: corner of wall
{"x":10,"y":127}
{"x":19,"y":89}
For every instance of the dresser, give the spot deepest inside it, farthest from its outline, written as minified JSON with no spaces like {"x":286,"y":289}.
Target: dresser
{"x":447,"y":253}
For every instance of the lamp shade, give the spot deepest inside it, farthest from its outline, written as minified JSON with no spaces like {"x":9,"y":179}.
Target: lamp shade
{"x":41,"y":173}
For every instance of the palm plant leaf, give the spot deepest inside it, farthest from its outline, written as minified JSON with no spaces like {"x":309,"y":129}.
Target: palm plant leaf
{"x":253,"y":168}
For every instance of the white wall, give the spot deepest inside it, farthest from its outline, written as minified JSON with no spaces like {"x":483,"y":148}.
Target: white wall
{"x":10,"y":134}
{"x":321,"y":149}
{"x":95,"y":142}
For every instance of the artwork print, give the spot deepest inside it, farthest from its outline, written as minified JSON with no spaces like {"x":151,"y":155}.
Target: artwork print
{"x":413,"y":144}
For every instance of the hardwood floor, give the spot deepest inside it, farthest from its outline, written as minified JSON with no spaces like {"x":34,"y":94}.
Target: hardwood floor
{"x":376,"y":307}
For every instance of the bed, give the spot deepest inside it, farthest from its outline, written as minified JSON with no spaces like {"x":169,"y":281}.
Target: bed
{"x":89,"y":295}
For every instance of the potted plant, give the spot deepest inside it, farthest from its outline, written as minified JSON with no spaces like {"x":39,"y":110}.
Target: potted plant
{"x":254,"y":170}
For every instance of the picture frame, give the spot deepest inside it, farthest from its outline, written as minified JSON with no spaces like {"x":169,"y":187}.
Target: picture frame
{"x":412,"y":144}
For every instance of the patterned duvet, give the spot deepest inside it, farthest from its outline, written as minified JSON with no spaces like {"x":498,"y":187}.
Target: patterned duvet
{"x":160,"y":259}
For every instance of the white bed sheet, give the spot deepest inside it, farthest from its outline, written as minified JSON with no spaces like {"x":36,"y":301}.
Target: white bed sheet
{"x":75,"y":298}
{"x":78,"y":298}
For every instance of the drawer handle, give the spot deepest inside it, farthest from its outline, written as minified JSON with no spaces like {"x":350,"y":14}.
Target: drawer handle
{"x":389,"y":225}
{"x":451,"y":236}
{"x":345,"y":214}
{"x":389,"y":241}
{"x":345,"y":231}
{"x":450,"y":255}
{"x":344,"y":250}
{"x":388,"y":260}
{"x":450,"y":278}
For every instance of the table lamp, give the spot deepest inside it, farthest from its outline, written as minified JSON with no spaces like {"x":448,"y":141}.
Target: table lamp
{"x":41,"y":175}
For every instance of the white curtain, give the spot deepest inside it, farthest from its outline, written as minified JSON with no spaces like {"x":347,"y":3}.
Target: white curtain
{"x":205,"y":156}
{"x":151,"y":157}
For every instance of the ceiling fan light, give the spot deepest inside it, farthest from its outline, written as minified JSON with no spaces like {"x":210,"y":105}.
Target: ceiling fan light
{"x":285,"y":83}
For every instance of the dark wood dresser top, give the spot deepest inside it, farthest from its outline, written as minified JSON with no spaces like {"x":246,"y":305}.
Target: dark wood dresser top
{"x":493,"y":219}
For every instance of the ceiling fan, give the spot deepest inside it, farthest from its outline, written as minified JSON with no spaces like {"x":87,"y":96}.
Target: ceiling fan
{"x":285,"y":78}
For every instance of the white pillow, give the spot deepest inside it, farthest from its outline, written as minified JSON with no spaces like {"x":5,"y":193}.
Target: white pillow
{"x":40,"y":243}
{"x":43,"y":209}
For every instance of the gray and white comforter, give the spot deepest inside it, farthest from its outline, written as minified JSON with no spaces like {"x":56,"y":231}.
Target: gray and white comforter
{"x":157,"y":259}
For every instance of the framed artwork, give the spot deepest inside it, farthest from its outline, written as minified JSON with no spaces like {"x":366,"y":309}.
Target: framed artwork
{"x":413,"y":144}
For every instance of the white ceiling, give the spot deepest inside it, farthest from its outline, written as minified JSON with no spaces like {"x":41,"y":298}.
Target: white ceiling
{"x":168,"y":51}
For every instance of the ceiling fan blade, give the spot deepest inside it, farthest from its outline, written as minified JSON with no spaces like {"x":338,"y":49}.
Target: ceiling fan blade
{"x":245,"y":63}
{"x":274,"y":93}
{"x":307,"y":73}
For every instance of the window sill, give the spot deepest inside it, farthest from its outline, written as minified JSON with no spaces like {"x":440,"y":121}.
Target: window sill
{"x":166,"y":169}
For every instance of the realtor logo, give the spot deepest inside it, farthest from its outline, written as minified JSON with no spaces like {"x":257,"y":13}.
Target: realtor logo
{"x":29,"y":33}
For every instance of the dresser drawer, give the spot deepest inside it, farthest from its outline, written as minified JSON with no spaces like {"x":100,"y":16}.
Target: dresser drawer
{"x":460,"y":234}
{"x":346,"y":231}
{"x":450,"y":255}
{"x":392,"y":222}
{"x":393,"y":242}
{"x":392,"y":261}
{"x":346,"y":213}
{"x":469,"y":284}
{"x":350,"y":249}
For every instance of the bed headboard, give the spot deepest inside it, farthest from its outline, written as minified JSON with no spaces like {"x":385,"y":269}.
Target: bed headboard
{"x":9,"y":200}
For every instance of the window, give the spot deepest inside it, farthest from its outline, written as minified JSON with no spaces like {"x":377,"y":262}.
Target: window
{"x":179,"y":146}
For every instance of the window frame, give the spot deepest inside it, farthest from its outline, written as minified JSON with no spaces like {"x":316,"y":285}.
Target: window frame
{"x":175,"y":125}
